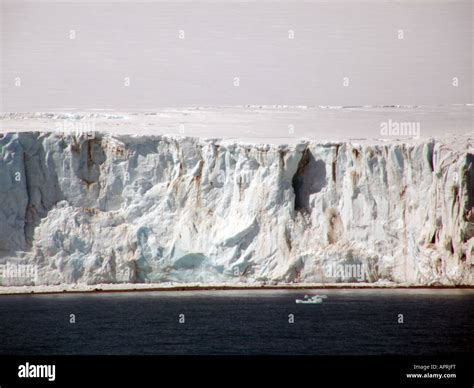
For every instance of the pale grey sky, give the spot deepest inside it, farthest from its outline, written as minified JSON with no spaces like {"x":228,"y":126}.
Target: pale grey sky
{"x":43,"y":69}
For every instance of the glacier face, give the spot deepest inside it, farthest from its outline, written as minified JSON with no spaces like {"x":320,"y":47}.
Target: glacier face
{"x":155,"y":209}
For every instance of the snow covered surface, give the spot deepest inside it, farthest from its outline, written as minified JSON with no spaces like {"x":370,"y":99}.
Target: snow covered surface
{"x":156,"y":198}
{"x":273,"y":124}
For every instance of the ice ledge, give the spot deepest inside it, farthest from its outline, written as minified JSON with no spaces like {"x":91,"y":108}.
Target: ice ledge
{"x":190,"y":287}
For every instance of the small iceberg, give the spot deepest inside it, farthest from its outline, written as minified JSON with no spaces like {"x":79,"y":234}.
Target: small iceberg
{"x":316,"y":299}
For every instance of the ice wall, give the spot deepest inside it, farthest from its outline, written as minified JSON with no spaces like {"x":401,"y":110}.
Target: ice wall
{"x":170,"y":209}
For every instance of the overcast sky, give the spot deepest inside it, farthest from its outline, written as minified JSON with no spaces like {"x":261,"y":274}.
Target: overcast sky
{"x":128,"y":55}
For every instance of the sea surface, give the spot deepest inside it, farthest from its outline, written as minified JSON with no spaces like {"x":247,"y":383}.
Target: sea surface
{"x":349,"y":322}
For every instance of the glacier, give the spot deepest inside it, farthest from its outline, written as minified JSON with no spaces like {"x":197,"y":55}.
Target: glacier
{"x":118,"y":208}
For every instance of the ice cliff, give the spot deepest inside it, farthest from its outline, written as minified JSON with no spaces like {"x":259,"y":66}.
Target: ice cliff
{"x":131,"y":209}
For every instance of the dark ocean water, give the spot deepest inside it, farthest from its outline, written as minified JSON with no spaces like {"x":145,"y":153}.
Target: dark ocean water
{"x":349,"y":322}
